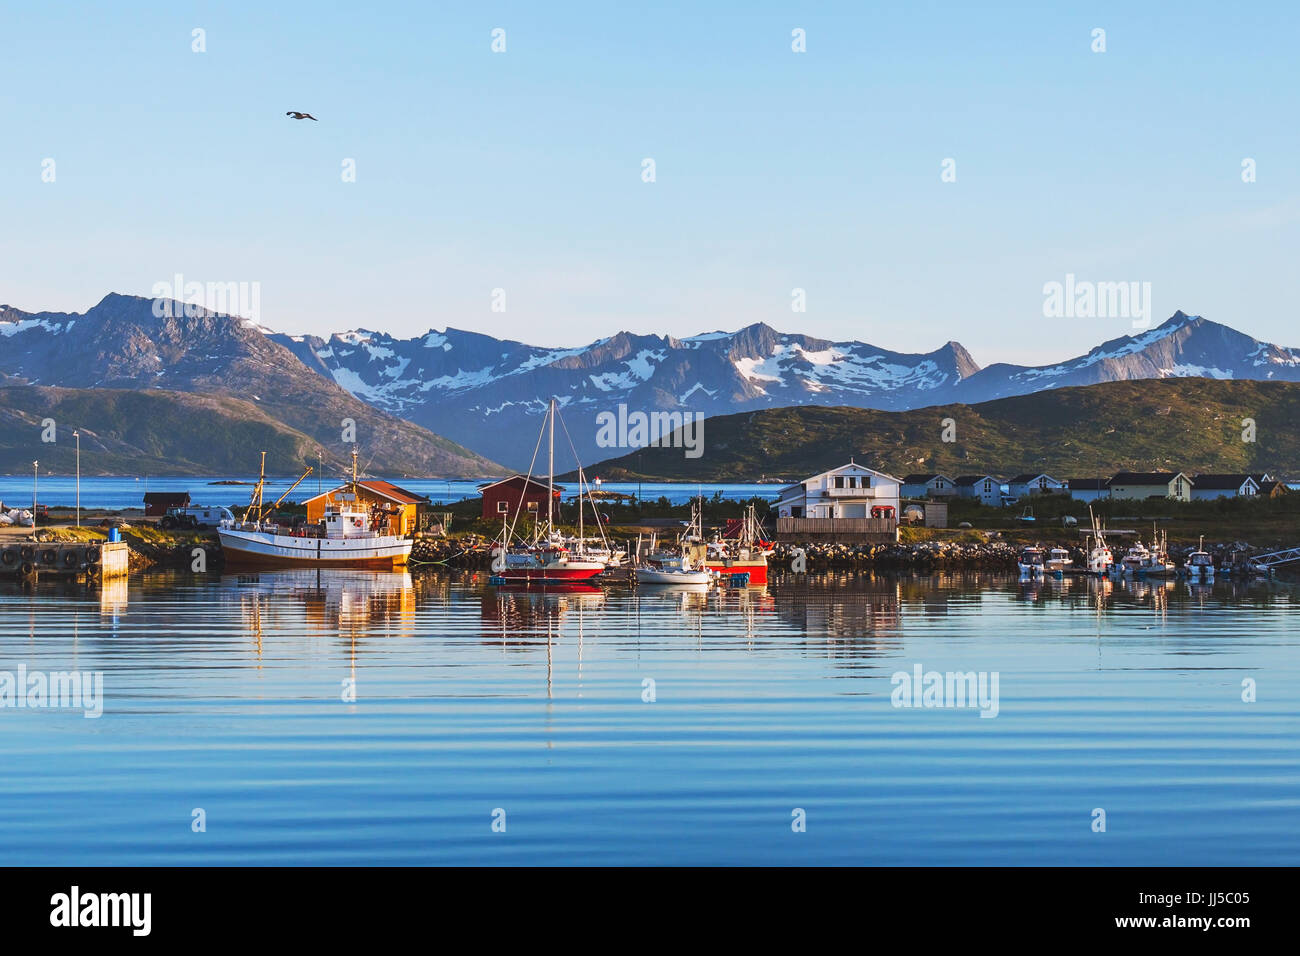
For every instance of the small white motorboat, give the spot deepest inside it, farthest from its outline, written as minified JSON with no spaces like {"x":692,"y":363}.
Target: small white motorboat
{"x":1032,"y":562}
{"x":1058,"y":559}
{"x":1200,"y":563}
{"x":682,"y":573}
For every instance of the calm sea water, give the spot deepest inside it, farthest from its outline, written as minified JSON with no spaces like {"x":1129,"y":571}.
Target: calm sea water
{"x":118,"y":492}
{"x":228,"y":694}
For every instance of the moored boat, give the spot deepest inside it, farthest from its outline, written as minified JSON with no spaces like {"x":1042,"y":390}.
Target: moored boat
{"x":548,"y":559}
{"x":349,"y":535}
{"x":1100,"y":557}
{"x":1200,"y":563}
{"x":744,"y":555}
{"x":1032,"y":561}
{"x":1058,"y":560}
{"x":1135,"y":558}
{"x":673,"y":577}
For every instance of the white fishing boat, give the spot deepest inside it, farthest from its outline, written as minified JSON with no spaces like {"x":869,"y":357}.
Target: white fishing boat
{"x":1157,"y":562}
{"x":1032,"y":562}
{"x":1200,"y":563}
{"x":1137,"y":557}
{"x":349,"y":535}
{"x":1100,"y":558}
{"x":1058,"y":560}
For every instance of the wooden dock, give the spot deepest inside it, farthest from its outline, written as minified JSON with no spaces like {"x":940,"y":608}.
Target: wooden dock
{"x":836,"y":530}
{"x":97,"y":560}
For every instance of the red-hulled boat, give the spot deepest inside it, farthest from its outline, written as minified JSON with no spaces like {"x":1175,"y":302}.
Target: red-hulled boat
{"x":744,"y":554}
{"x":550,"y":565}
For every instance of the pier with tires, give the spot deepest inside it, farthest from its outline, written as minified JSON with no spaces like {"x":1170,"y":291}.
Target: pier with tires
{"x":98,"y":560}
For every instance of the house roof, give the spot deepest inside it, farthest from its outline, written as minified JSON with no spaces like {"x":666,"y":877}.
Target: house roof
{"x":965,"y":481}
{"x":1087,"y":484}
{"x":1026,"y":479}
{"x":165,"y":497}
{"x":850,"y":464}
{"x":922,"y":479}
{"x":393,"y":491}
{"x":1213,"y":482}
{"x":1144,"y":477}
{"x":383,"y":489}
{"x":539,"y":485}
{"x":1268,"y":487}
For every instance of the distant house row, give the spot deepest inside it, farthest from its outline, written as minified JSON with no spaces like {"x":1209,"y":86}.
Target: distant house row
{"x":1125,"y":484}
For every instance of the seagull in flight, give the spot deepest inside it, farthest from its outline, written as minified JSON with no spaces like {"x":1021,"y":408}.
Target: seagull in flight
{"x":297,"y":115}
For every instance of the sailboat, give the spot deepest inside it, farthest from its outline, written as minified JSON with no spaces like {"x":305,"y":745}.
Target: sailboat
{"x":350,"y":535}
{"x":548,"y":560}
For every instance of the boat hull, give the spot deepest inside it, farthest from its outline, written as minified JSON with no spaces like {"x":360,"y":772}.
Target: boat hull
{"x":560,"y":574}
{"x":654,"y":576}
{"x":756,"y":569}
{"x":264,"y":550}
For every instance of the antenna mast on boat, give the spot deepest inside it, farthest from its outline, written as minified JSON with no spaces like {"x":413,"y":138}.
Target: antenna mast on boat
{"x":255,"y":499}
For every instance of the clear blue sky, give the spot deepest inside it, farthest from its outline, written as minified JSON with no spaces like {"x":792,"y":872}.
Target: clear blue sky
{"x":522,"y":170}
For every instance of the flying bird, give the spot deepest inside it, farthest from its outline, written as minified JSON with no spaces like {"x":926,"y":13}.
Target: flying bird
{"x":297,"y":115}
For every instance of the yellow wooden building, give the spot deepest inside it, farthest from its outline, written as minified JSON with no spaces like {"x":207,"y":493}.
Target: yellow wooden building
{"x":402,"y":506}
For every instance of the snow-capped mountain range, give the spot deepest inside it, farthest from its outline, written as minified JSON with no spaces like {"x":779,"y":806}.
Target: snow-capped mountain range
{"x":489,"y":394}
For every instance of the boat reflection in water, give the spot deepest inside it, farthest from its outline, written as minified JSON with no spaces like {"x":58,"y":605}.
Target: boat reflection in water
{"x":519,"y":613}
{"x":334,"y":601}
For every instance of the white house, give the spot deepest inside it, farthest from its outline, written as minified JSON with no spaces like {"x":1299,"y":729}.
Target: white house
{"x":1022,"y":486}
{"x":1208,"y":487}
{"x":984,"y":488}
{"x":1088,"y":489}
{"x":1151,"y":484}
{"x":849,"y":491}
{"x":928,"y":486}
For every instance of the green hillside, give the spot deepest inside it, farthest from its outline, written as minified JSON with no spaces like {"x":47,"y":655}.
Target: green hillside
{"x":1183,"y":424}
{"x":130,"y":432}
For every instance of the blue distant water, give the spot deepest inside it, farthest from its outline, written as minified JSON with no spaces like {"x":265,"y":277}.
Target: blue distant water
{"x":116,"y":492}
{"x":644,"y":727}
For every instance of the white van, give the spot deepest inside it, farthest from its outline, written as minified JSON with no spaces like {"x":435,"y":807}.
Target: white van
{"x":196,"y":516}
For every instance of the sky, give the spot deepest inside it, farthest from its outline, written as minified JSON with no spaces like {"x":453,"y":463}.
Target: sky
{"x":774,"y":170}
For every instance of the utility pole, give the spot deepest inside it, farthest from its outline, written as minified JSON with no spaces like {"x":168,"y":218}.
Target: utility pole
{"x":77,"y":436}
{"x":36,"y":477}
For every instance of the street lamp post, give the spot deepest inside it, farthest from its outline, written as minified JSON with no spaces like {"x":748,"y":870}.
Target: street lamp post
{"x":77,"y":436}
{"x":36,"y":477}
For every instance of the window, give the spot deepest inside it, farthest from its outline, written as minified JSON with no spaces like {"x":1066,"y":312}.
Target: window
{"x":503,"y":507}
{"x":839,"y":481}
{"x":532,"y":506}
{"x":988,"y":487}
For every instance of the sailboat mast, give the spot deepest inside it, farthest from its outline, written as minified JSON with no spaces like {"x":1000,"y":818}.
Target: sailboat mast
{"x":550,"y":470}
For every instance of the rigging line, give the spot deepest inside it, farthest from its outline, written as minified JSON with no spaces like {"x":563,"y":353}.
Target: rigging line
{"x":523,"y":491}
{"x":595,"y":513}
